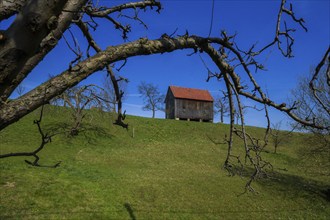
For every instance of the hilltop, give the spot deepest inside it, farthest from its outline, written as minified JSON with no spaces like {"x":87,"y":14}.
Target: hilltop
{"x":157,"y":169}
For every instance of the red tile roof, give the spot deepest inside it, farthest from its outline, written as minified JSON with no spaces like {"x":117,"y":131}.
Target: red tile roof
{"x":188,"y":93}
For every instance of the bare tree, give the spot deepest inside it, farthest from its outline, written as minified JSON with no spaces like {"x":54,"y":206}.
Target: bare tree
{"x":221,"y":106}
{"x":312,"y":96}
{"x":238,"y":114}
{"x":312,"y":100}
{"x":79,"y":98}
{"x":152,"y":97}
{"x":279,"y":136}
{"x":39,"y":25}
{"x":42,"y":36}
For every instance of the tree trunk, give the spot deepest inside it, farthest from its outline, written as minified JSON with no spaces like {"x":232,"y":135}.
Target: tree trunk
{"x":24,"y":37}
{"x":54,"y":28}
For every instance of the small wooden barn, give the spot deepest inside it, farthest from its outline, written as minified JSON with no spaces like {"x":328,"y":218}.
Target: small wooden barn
{"x":188,"y":104}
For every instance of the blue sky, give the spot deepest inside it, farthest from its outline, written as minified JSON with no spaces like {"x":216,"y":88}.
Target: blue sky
{"x":252,"y":20}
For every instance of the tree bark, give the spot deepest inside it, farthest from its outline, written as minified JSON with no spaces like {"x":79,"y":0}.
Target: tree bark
{"x":47,"y":43}
{"x":10,"y":7}
{"x":23,"y":38}
{"x":14,"y":110}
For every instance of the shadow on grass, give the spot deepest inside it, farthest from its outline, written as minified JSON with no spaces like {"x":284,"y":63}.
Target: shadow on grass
{"x":293,"y":186}
{"x":130,"y":211}
{"x":90,"y":132}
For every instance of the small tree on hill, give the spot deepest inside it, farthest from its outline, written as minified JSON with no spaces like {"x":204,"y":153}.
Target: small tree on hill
{"x":239,"y":113}
{"x":78,"y":99}
{"x":153,"y":99}
{"x":276,"y":135}
{"x":221,"y":106}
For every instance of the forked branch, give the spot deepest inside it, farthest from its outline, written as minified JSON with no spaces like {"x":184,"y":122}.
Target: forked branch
{"x":45,"y":139}
{"x":324,"y":62}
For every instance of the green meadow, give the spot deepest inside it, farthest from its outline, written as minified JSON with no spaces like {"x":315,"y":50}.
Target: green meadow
{"x":157,"y":169}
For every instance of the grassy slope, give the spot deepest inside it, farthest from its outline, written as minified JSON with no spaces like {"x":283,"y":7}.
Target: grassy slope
{"x":169,"y":170}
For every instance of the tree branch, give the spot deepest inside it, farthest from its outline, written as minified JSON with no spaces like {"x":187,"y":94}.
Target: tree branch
{"x":46,"y":44}
{"x":9,"y":8}
{"x":45,"y":139}
{"x":326,"y":58}
{"x":102,"y":12}
{"x":143,"y":46}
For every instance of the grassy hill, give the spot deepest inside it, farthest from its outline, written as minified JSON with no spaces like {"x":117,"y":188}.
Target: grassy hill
{"x":168,"y":170}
